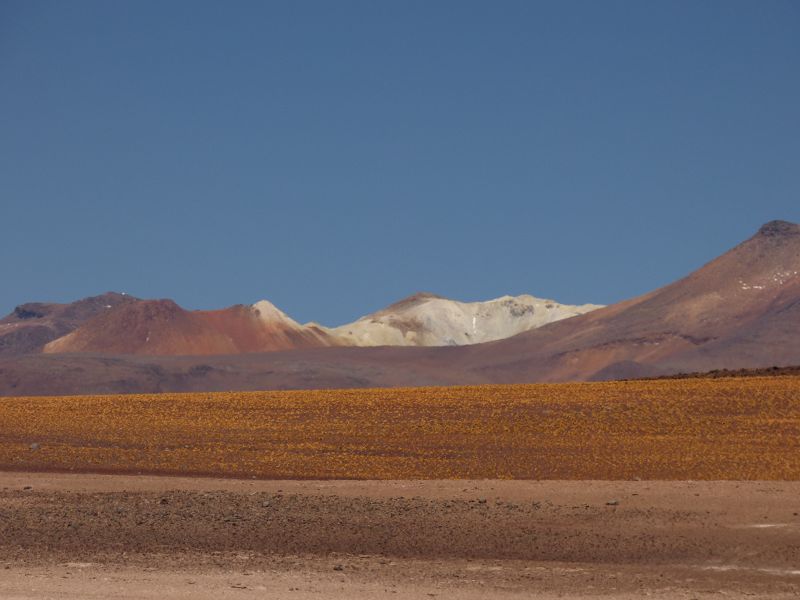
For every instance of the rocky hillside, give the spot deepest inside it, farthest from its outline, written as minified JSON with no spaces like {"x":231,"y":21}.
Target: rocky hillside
{"x":430,"y":320}
{"x":30,"y":326}
{"x":741,"y":310}
{"x":161,"y":327}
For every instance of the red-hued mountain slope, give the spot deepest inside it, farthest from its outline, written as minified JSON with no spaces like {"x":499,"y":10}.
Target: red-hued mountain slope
{"x":30,"y":326}
{"x":161,"y":327}
{"x":740,"y":310}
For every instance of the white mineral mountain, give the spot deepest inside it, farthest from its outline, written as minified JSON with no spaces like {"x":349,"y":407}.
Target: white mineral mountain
{"x":429,"y":320}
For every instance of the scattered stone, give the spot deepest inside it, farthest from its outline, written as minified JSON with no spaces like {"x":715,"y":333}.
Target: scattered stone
{"x":612,"y":503}
{"x":338,"y":568}
{"x":28,"y":487}
{"x":34,"y":446}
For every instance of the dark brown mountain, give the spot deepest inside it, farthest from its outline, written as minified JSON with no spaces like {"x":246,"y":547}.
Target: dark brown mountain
{"x":30,"y":326}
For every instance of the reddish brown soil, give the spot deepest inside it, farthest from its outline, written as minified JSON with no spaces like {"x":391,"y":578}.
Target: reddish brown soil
{"x":30,"y":326}
{"x":398,"y":538}
{"x":161,"y":327}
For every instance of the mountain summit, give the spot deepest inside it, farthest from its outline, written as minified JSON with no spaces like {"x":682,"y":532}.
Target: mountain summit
{"x":161,"y":327}
{"x":30,"y":326}
{"x":779,"y":229}
{"x":429,"y":320}
{"x":740,"y":310}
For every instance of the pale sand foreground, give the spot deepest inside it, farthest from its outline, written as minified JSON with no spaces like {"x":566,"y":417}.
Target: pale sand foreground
{"x":111,"y":536}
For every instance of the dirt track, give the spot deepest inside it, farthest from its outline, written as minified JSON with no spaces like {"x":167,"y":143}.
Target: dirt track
{"x":75,"y":536}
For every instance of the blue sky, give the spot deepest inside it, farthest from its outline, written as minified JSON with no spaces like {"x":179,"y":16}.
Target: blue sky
{"x":334,"y":157}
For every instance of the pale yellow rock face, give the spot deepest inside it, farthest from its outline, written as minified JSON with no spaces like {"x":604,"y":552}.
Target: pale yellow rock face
{"x":427,"y":320}
{"x":270,"y":313}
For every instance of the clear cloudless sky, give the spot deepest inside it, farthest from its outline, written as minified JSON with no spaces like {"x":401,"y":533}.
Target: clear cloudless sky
{"x":334,"y":157}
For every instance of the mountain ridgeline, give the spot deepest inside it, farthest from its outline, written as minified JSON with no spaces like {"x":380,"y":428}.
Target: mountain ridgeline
{"x":162,"y":328}
{"x":739,"y":311}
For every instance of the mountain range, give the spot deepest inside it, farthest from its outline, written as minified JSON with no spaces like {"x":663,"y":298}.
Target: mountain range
{"x":741,"y":310}
{"x":118,"y":324}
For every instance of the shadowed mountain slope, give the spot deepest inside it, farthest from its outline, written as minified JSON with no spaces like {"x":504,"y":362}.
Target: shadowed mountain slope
{"x":30,"y":326}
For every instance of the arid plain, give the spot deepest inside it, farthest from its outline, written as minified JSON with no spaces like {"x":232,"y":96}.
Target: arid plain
{"x":680,"y":488}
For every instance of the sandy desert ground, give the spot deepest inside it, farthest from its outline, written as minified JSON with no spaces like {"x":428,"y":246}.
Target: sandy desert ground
{"x":115,"y":536}
{"x":547,"y":491}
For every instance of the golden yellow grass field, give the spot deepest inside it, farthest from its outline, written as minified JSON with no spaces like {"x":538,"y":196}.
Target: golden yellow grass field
{"x":669,"y":429}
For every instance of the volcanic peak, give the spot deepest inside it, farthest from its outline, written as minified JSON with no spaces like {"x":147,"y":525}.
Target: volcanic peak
{"x":412,"y":300}
{"x":779,"y":229}
{"x":267,"y":311}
